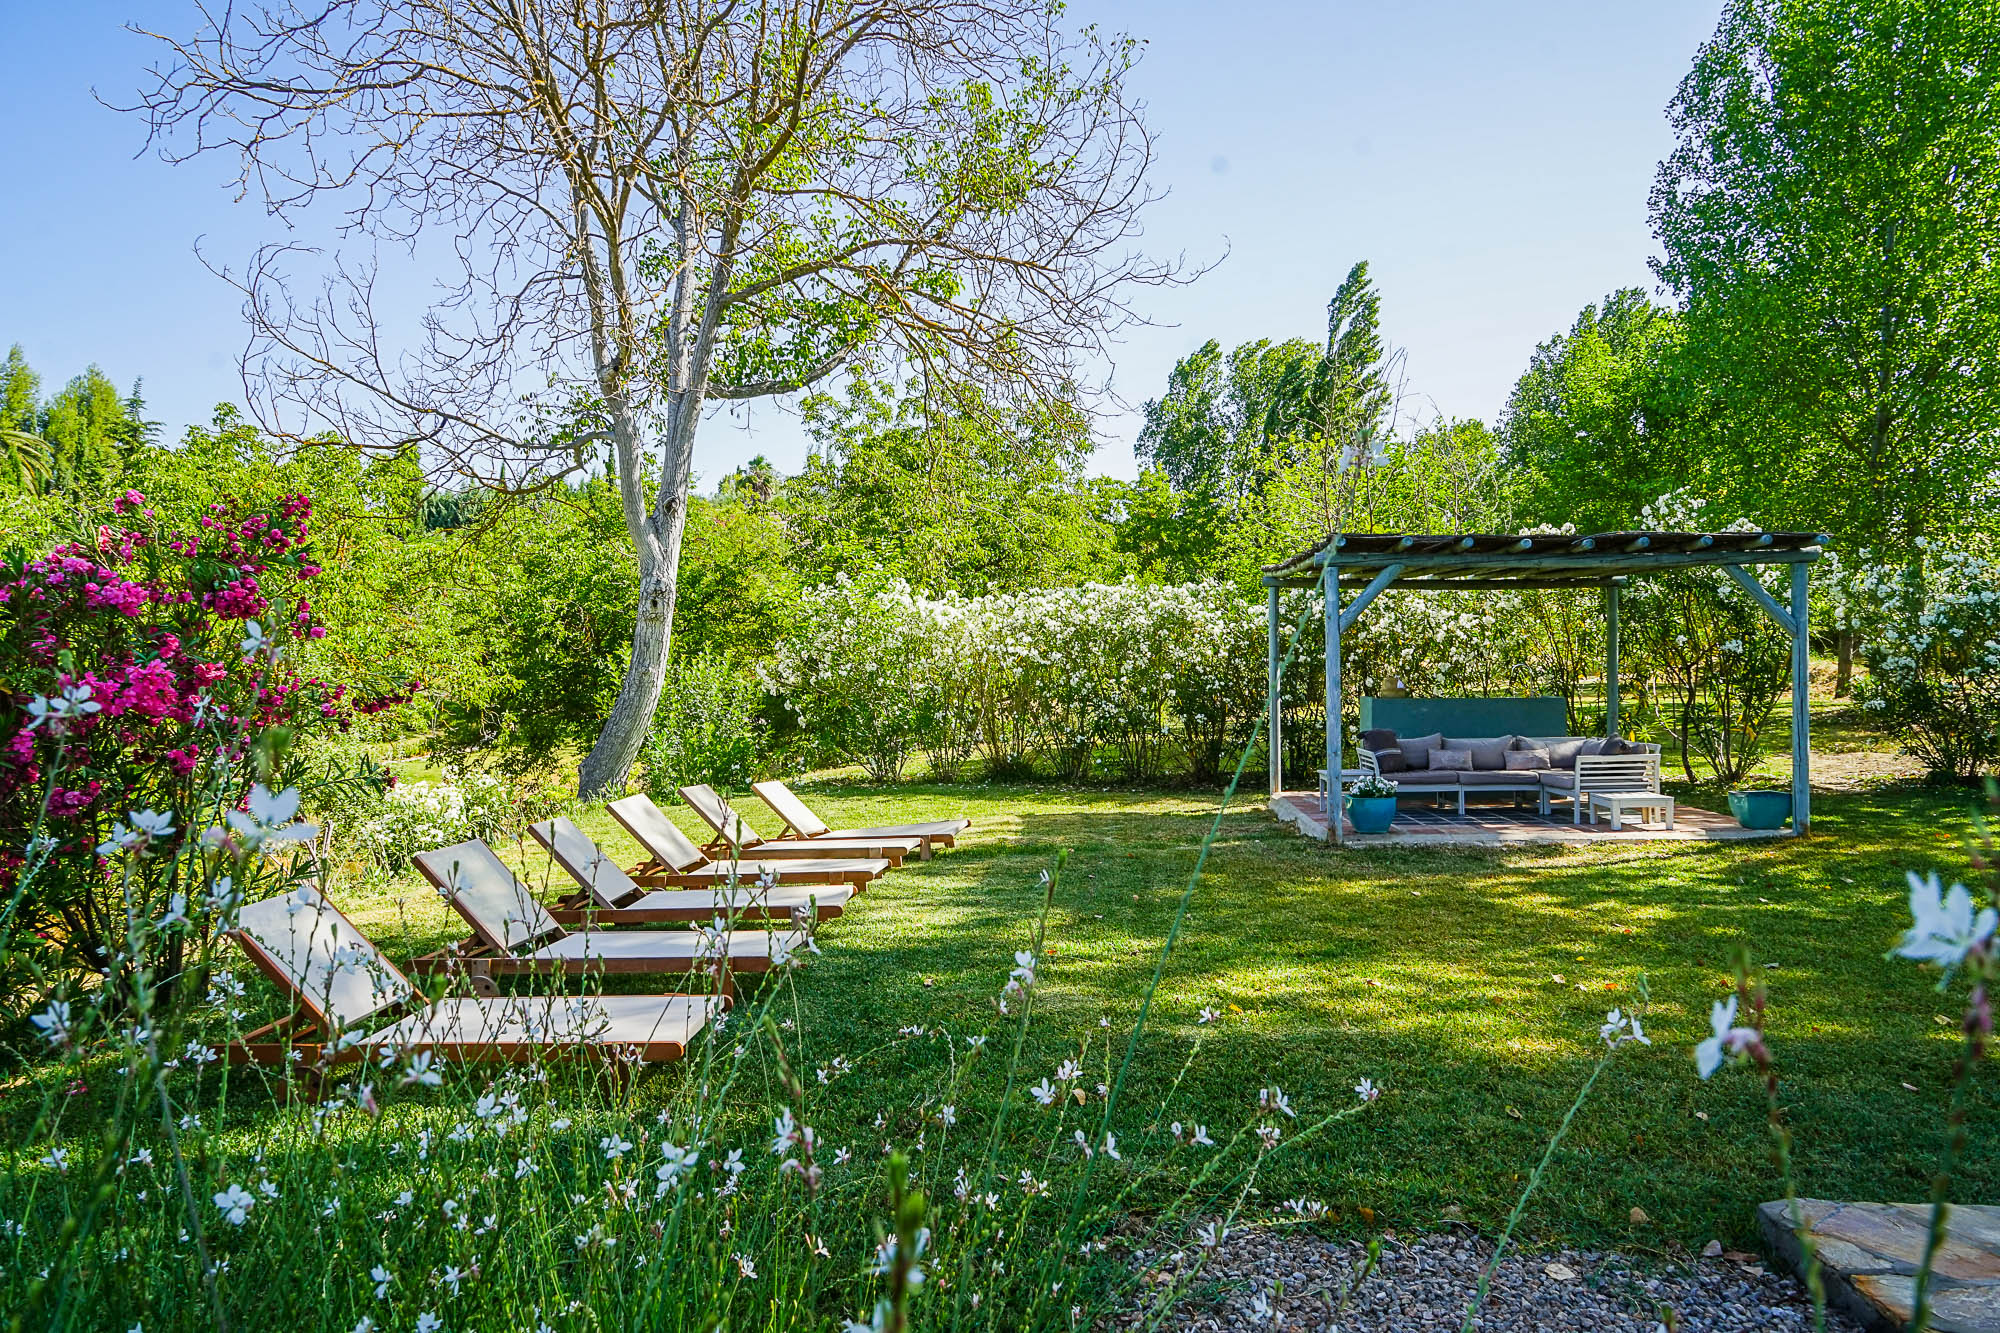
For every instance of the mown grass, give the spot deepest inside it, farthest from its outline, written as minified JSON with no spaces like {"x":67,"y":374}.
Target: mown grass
{"x":1470,"y":984}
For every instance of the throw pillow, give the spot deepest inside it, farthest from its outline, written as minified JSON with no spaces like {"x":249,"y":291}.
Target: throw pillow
{"x":1378,"y":739}
{"x":1489,"y":753}
{"x":1527,"y":761}
{"x":1459,"y":761}
{"x":1417,"y":750}
{"x":1390,"y":761}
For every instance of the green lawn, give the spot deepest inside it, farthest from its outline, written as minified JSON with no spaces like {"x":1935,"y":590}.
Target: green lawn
{"x":1468,"y":984}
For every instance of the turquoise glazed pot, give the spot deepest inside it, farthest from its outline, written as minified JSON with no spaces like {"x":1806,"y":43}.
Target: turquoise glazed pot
{"x":1761,"y":809}
{"x":1371,"y":814}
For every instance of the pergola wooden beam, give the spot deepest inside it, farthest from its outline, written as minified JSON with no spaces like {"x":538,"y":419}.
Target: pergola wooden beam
{"x":1372,"y":563}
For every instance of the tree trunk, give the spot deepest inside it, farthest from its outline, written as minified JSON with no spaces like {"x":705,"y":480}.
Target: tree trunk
{"x":610,"y":760}
{"x":656,"y":536}
{"x":1843,"y":673}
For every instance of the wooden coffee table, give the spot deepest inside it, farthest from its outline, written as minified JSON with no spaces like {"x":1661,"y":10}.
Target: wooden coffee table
{"x":1615,"y":803}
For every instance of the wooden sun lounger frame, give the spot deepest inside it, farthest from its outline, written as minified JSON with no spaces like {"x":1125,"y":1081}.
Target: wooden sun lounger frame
{"x":698,"y":795}
{"x":479,"y":962}
{"x":578,"y":907}
{"x":932,"y":838}
{"x":297,"y":1045}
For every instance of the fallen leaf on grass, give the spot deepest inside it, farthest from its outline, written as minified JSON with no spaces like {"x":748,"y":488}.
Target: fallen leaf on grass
{"x":1639,"y":1217}
{"x":1516,"y":1114}
{"x":1911,"y":1086}
{"x":1712,"y":1250}
{"x":1701,"y":1115}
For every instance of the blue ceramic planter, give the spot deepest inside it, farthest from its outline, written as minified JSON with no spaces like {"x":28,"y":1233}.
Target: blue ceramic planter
{"x":1371,"y":814}
{"x":1761,"y":809}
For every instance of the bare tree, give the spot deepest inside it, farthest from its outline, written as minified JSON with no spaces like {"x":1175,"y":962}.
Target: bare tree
{"x":645,"y":206}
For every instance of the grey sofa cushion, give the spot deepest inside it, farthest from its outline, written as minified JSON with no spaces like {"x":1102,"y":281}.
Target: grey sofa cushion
{"x":1562,"y":749}
{"x":1450,"y":758}
{"x":1594,"y":745}
{"x":1417,"y":749}
{"x":1424,"y":779}
{"x":1559,"y":780}
{"x":1496,"y":777}
{"x":1521,"y":759}
{"x":1489,"y":753}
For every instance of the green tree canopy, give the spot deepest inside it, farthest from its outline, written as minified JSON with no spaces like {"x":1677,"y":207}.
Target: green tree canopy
{"x":1592,"y":426}
{"x":950,"y":491}
{"x":1830,"y":221}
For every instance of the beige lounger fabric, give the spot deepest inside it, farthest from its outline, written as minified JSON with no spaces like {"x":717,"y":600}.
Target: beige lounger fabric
{"x":506,"y":917}
{"x":337,"y":973}
{"x":335,"y":970}
{"x":532,"y":1021}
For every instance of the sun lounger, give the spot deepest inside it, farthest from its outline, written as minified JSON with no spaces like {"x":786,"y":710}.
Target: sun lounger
{"x":801,"y":822}
{"x":674,"y":859}
{"x":343,"y":988}
{"x":608,"y":897}
{"x":511,"y":932}
{"x":733,"y":832}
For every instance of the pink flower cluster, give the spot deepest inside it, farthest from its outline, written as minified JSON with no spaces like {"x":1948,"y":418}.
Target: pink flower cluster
{"x":151,"y":623}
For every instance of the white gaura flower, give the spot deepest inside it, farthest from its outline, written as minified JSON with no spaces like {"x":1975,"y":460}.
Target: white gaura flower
{"x":53,"y":1022}
{"x":1024,"y":968}
{"x":1726,"y":1038}
{"x":1620,"y":1027}
{"x":1366,"y":1090}
{"x":429,"y":1323}
{"x":678,"y":1162}
{"x":254,"y":639}
{"x":614,"y":1147}
{"x":381,"y":1277}
{"x":270,"y":817}
{"x":1944,"y":928}
{"x":1043,"y":1093}
{"x":235,"y":1204}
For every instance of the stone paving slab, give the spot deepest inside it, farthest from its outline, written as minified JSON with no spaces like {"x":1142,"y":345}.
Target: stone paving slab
{"x":1869,"y":1253}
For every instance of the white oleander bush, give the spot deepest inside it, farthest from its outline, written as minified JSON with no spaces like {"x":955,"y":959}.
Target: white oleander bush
{"x":414,"y":817}
{"x":1930,"y":632}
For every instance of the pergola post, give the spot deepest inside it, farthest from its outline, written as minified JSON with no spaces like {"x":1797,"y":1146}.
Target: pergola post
{"x":1274,"y":720}
{"x":1330,"y":582}
{"x":1801,"y":705}
{"x":1610,"y":660}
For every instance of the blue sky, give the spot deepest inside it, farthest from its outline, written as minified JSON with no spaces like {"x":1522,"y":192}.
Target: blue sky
{"x":1491,"y":163}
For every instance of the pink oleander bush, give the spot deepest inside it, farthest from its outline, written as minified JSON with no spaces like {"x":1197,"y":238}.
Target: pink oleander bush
{"x":145,"y":680}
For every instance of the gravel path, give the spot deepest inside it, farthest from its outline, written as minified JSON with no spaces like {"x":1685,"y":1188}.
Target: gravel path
{"x":1289,"y":1279}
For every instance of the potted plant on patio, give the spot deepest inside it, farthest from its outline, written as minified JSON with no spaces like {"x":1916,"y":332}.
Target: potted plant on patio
{"x":1761,"y":809}
{"x":1371,"y":804}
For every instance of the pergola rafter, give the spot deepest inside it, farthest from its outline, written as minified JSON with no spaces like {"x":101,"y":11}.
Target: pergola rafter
{"x":1372,"y":563}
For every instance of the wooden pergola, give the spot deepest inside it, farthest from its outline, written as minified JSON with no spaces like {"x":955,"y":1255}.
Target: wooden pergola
{"x":1370,"y":563}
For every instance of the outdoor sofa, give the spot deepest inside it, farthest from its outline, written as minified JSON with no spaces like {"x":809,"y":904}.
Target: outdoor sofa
{"x":1547,"y":767}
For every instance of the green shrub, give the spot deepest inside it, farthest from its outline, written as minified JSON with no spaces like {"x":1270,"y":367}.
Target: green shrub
{"x":706,"y":729}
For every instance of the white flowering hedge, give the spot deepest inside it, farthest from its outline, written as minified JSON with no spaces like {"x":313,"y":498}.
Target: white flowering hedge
{"x":1930,"y":631}
{"x":1141,"y":681}
{"x":1135,"y":681}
